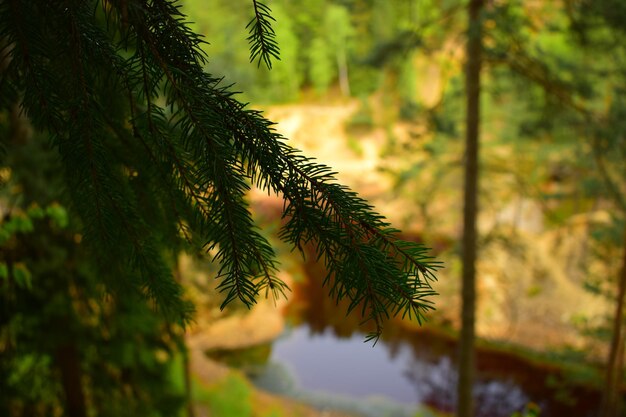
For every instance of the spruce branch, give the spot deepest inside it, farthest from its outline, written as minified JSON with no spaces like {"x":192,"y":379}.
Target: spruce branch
{"x":242,"y":253}
{"x":336,"y":212}
{"x":179,"y":149}
{"x":316,"y":205}
{"x":262,"y":37}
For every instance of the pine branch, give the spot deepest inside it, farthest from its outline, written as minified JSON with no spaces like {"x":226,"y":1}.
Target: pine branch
{"x":262,"y":37}
{"x":242,"y":252}
{"x":312,"y":199}
{"x":180,"y":129}
{"x":72,"y":112}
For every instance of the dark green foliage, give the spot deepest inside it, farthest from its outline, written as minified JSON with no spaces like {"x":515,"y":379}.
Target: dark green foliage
{"x":53,"y":300}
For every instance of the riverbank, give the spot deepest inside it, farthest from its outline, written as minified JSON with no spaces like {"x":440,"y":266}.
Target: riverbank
{"x":248,"y":337}
{"x":222,"y":391}
{"x":525,"y":264}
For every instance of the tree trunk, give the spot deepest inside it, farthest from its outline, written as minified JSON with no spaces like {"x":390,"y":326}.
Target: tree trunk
{"x":466,"y":364}
{"x":178,"y":276}
{"x":342,"y":65}
{"x":68,"y":361}
{"x":187,"y":379}
{"x":611,"y":402}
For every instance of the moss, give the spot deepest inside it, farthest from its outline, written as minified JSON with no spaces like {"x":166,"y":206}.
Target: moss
{"x":231,"y":397}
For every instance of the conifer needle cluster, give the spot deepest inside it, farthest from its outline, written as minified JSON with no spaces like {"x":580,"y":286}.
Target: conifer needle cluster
{"x":157,"y":153}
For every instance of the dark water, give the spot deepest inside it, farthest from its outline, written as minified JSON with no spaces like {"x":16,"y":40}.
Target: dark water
{"x":415,"y":372}
{"x":337,"y":373}
{"x":322,"y":357}
{"x":347,"y":366}
{"x":328,"y":365}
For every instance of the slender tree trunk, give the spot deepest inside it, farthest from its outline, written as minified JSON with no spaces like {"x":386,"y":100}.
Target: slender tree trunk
{"x":68,"y":361}
{"x":185,"y":352}
{"x":342,"y":65}
{"x":466,"y":364}
{"x":611,"y":395}
{"x":29,"y":410}
{"x":187,"y":376}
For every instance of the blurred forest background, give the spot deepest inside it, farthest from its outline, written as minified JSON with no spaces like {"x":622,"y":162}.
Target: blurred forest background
{"x":376,"y":89}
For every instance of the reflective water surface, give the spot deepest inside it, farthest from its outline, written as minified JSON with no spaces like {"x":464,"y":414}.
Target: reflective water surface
{"x":322,"y":358}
